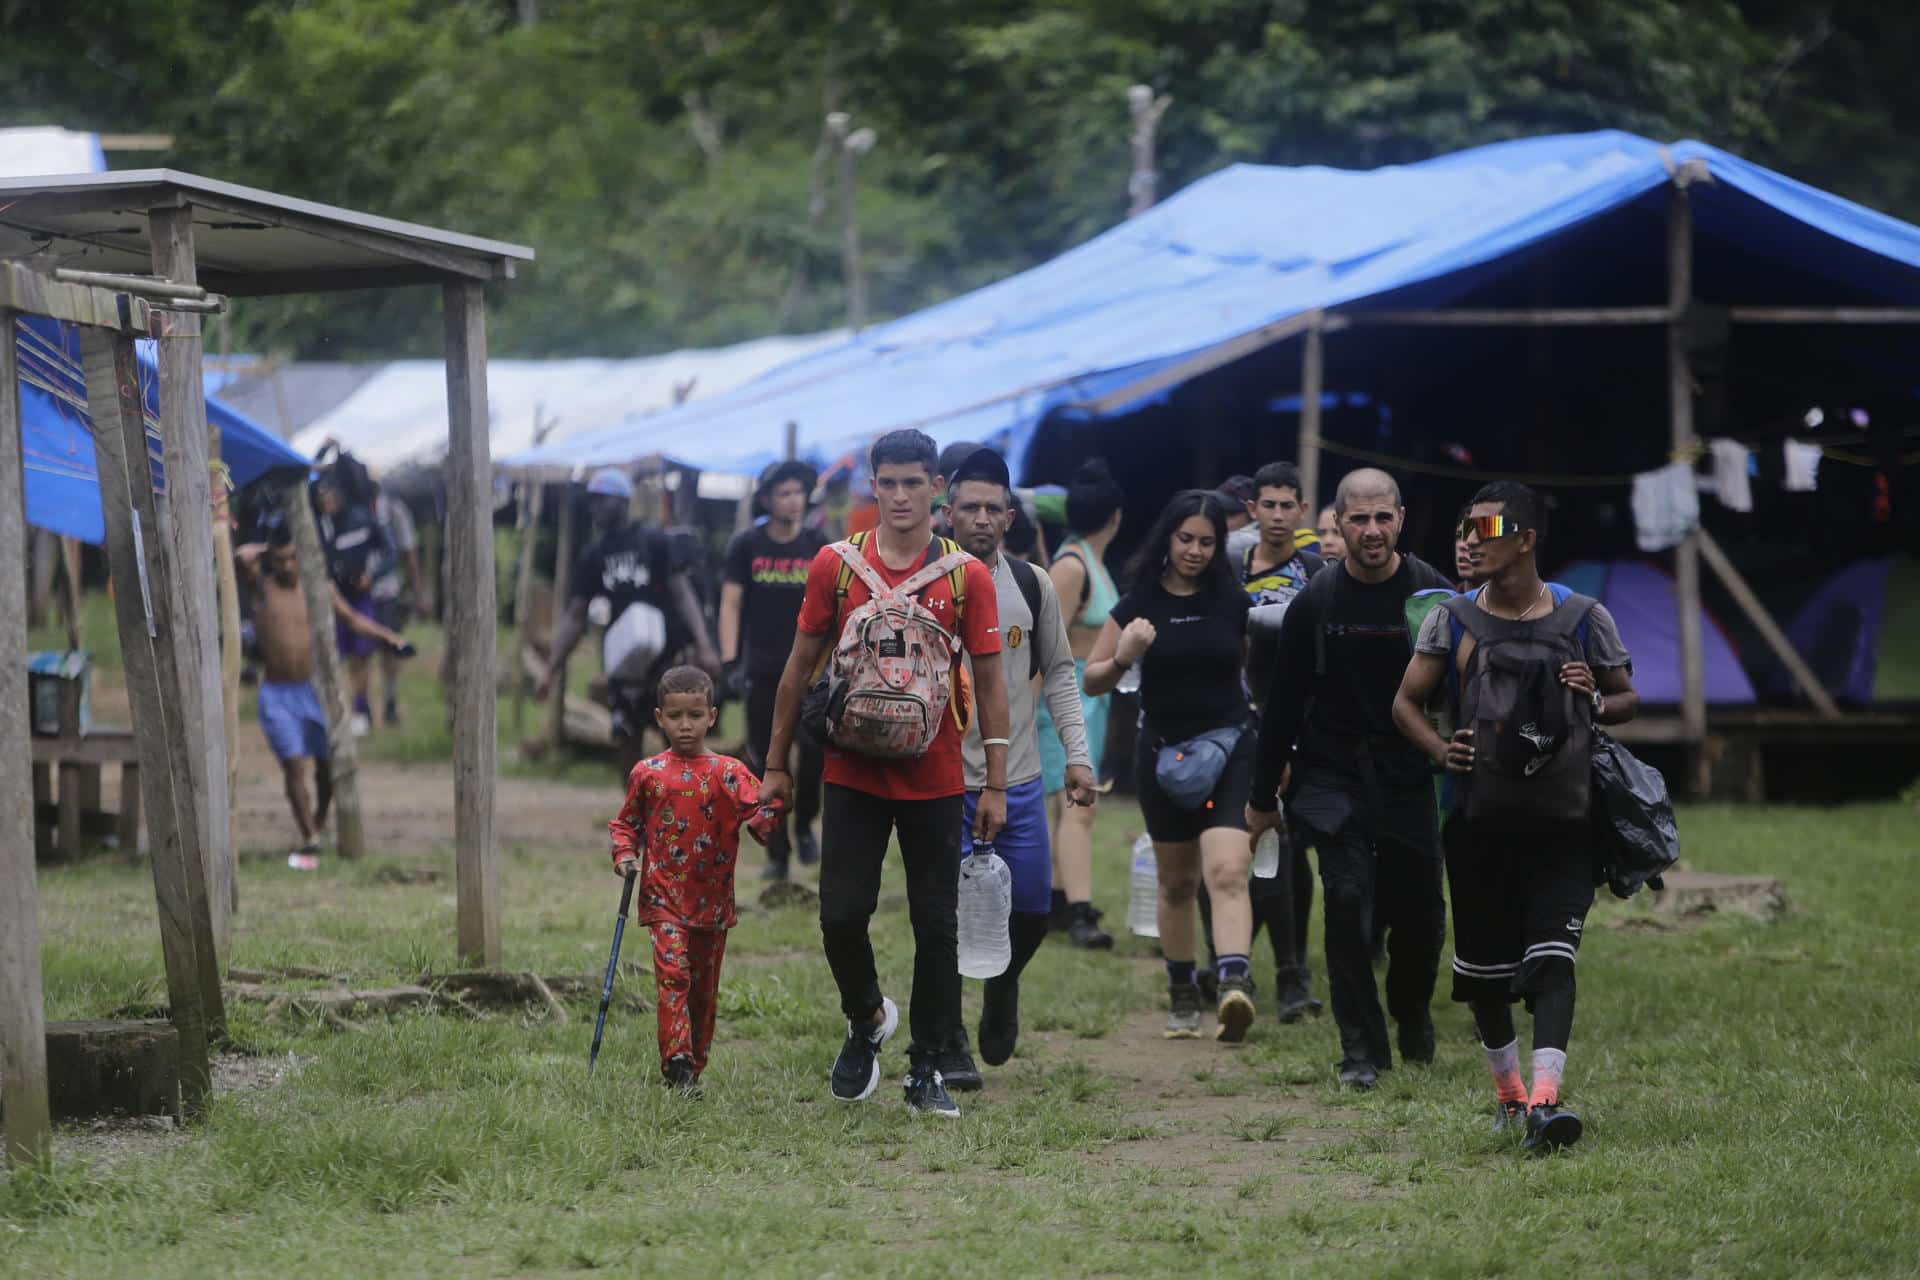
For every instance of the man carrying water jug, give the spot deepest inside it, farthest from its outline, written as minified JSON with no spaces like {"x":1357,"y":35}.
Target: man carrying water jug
{"x":889,"y":611}
{"x":1036,"y":656}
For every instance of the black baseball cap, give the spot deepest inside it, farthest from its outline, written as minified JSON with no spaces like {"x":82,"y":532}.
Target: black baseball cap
{"x":782,"y":471}
{"x":979,"y":463}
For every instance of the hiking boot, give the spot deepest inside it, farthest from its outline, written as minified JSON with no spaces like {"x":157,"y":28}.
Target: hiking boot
{"x":1549,"y":1129}
{"x":1416,"y":1041}
{"x":1183,"y":1012}
{"x":1359,"y":1075}
{"x":1509,"y":1117}
{"x":999,"y":1020}
{"x":806,"y":847}
{"x":1295,"y":987}
{"x":856,"y":1072}
{"x":1235,"y":1010}
{"x":1209,"y":983}
{"x":955,"y":1065}
{"x":927,"y":1095}
{"x":1083,"y":928}
{"x":678,"y":1075}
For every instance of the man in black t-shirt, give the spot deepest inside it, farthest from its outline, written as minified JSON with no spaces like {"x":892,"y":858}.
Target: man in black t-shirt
{"x":1359,"y":793}
{"x":763,"y":583}
{"x":630,"y":567}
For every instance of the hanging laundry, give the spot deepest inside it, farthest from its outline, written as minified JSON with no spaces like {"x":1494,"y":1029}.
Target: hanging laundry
{"x":1802,"y":465}
{"x":1666,"y":507}
{"x":1732,"y":482}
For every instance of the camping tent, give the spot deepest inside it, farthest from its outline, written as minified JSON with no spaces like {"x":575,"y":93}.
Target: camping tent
{"x":62,"y":484}
{"x":1860,"y":632}
{"x":1641,"y":598}
{"x":1241,"y":259}
{"x":397,"y":415}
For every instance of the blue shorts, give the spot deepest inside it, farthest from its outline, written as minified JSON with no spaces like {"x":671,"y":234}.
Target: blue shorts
{"x":291,"y":718}
{"x":1022,"y":844}
{"x":1053,"y":756}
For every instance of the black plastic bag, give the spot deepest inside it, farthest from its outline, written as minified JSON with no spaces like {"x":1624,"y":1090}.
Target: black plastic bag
{"x":1635,"y":835}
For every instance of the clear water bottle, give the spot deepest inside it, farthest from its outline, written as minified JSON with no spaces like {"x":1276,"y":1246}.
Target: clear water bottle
{"x":1143,"y":897}
{"x":1129,"y":680}
{"x":1266,"y":854}
{"x":986,"y":903}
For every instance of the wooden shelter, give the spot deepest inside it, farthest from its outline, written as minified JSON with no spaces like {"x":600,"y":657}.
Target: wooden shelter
{"x":148,"y":252}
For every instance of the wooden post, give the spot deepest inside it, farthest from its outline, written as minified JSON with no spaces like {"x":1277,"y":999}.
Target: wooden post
{"x":1313,"y":360}
{"x":1686,"y":564}
{"x":23,"y":1028}
{"x":1737,"y":586}
{"x":141,"y":603}
{"x":472,"y":622}
{"x":532,"y":501}
{"x":792,"y":441}
{"x":851,"y":146}
{"x":70,"y":592}
{"x":562,"y":587}
{"x":230,"y":642}
{"x":190,"y":544}
{"x":343,"y":751}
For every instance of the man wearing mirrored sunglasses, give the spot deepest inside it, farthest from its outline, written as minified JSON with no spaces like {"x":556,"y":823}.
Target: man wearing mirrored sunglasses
{"x":1533,"y":667}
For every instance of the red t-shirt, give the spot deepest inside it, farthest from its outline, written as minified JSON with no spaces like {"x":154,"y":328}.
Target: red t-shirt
{"x":682,"y":818}
{"x":937,"y":773}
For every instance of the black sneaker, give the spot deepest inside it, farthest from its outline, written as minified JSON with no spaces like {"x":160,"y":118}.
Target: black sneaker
{"x":999,"y":1020}
{"x":1359,"y":1075}
{"x":1183,"y":1012}
{"x":1235,"y":1010}
{"x":1083,"y":928}
{"x":1416,"y":1042}
{"x":1296,"y":994}
{"x":1549,"y":1129}
{"x":806,"y":847}
{"x":928,"y":1096}
{"x":955,"y":1065}
{"x":1509,"y":1117}
{"x":856,"y":1072}
{"x":678,"y":1075}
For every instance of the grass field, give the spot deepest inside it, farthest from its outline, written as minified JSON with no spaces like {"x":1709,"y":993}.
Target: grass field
{"x":1751,"y":1092}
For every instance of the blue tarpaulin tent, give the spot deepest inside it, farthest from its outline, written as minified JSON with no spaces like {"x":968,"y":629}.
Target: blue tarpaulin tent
{"x":1224,"y":266}
{"x":63,"y":489}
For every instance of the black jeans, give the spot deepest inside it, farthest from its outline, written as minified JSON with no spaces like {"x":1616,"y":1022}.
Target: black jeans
{"x":1372,"y":882}
{"x":761,"y":687}
{"x":852,"y":854}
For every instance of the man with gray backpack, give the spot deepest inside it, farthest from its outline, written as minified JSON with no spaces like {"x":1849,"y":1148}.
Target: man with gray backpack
{"x":1530,"y":668}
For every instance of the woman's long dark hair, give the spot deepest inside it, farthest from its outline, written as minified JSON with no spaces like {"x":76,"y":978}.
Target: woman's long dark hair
{"x":1148,"y":562}
{"x":1092,"y":497}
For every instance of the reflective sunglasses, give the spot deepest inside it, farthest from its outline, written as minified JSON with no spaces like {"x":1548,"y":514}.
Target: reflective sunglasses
{"x":1489,"y":527}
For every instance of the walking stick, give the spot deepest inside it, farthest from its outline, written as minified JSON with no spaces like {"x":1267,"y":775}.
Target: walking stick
{"x":613,"y":964}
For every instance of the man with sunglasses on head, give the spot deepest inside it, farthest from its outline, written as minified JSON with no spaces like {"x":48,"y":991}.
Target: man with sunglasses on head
{"x":1530,"y":667}
{"x":1358,"y":792}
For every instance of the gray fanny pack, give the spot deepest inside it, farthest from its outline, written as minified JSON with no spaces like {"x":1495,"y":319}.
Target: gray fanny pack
{"x":1189,"y":771}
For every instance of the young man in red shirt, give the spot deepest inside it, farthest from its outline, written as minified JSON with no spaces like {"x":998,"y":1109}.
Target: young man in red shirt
{"x":869,"y":800}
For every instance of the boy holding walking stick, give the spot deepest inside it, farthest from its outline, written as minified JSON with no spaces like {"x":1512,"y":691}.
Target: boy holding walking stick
{"x":680,"y":828}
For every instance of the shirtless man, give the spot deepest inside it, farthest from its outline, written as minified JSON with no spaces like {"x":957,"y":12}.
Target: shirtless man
{"x":290,"y":712}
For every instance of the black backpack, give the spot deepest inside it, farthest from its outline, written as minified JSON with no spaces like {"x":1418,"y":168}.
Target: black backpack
{"x":1027,"y":578}
{"x":1532,"y":736}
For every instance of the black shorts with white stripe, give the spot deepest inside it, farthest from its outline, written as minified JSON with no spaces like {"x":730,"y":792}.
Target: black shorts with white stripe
{"x":1520,"y":901}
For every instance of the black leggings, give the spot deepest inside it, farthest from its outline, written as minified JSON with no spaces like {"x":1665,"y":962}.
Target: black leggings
{"x":853,"y":851}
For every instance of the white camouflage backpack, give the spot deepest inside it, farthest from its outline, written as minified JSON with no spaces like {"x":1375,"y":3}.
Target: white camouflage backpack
{"x":890,"y":678}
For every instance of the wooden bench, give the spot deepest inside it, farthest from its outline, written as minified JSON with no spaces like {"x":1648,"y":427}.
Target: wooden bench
{"x":63,"y":827}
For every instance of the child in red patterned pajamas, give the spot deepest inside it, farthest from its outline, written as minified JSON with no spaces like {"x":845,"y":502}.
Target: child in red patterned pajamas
{"x":681,"y":825}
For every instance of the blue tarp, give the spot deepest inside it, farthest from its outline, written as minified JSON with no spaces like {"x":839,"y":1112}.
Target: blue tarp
{"x":1242,"y":249}
{"x":63,"y":489}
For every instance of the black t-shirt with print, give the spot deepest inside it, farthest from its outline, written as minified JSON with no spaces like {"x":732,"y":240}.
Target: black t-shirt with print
{"x":629,"y":566}
{"x":773,"y":578}
{"x":1190,"y":677}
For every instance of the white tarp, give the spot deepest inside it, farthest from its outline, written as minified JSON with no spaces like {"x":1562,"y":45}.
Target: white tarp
{"x":399,"y":415}
{"x":37,"y":152}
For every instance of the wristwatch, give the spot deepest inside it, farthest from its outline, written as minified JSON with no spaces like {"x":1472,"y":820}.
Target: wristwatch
{"x":1599,"y":702}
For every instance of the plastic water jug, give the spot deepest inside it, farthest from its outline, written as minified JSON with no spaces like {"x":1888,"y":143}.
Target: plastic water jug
{"x":986,"y":902}
{"x":1266,"y":854}
{"x":1143,"y":897}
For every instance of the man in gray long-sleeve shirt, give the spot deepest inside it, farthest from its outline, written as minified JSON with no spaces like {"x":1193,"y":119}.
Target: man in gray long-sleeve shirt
{"x":1037,"y":658}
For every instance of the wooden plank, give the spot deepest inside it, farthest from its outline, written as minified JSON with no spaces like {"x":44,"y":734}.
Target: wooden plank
{"x":109,"y":746}
{"x":562,"y":583}
{"x":70,"y":592}
{"x":532,"y":500}
{"x":1763,"y":622}
{"x":1824,"y":315}
{"x":129,"y":818}
{"x":329,"y":683}
{"x":23,"y":1031}
{"x":1213,"y":357}
{"x":471,"y":623}
{"x":1313,"y":363}
{"x":70,"y":841}
{"x":38,"y":294}
{"x":190,"y":546}
{"x":139,"y":574}
{"x":1512,"y":317}
{"x":229,"y":655}
{"x":1686,"y":571}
